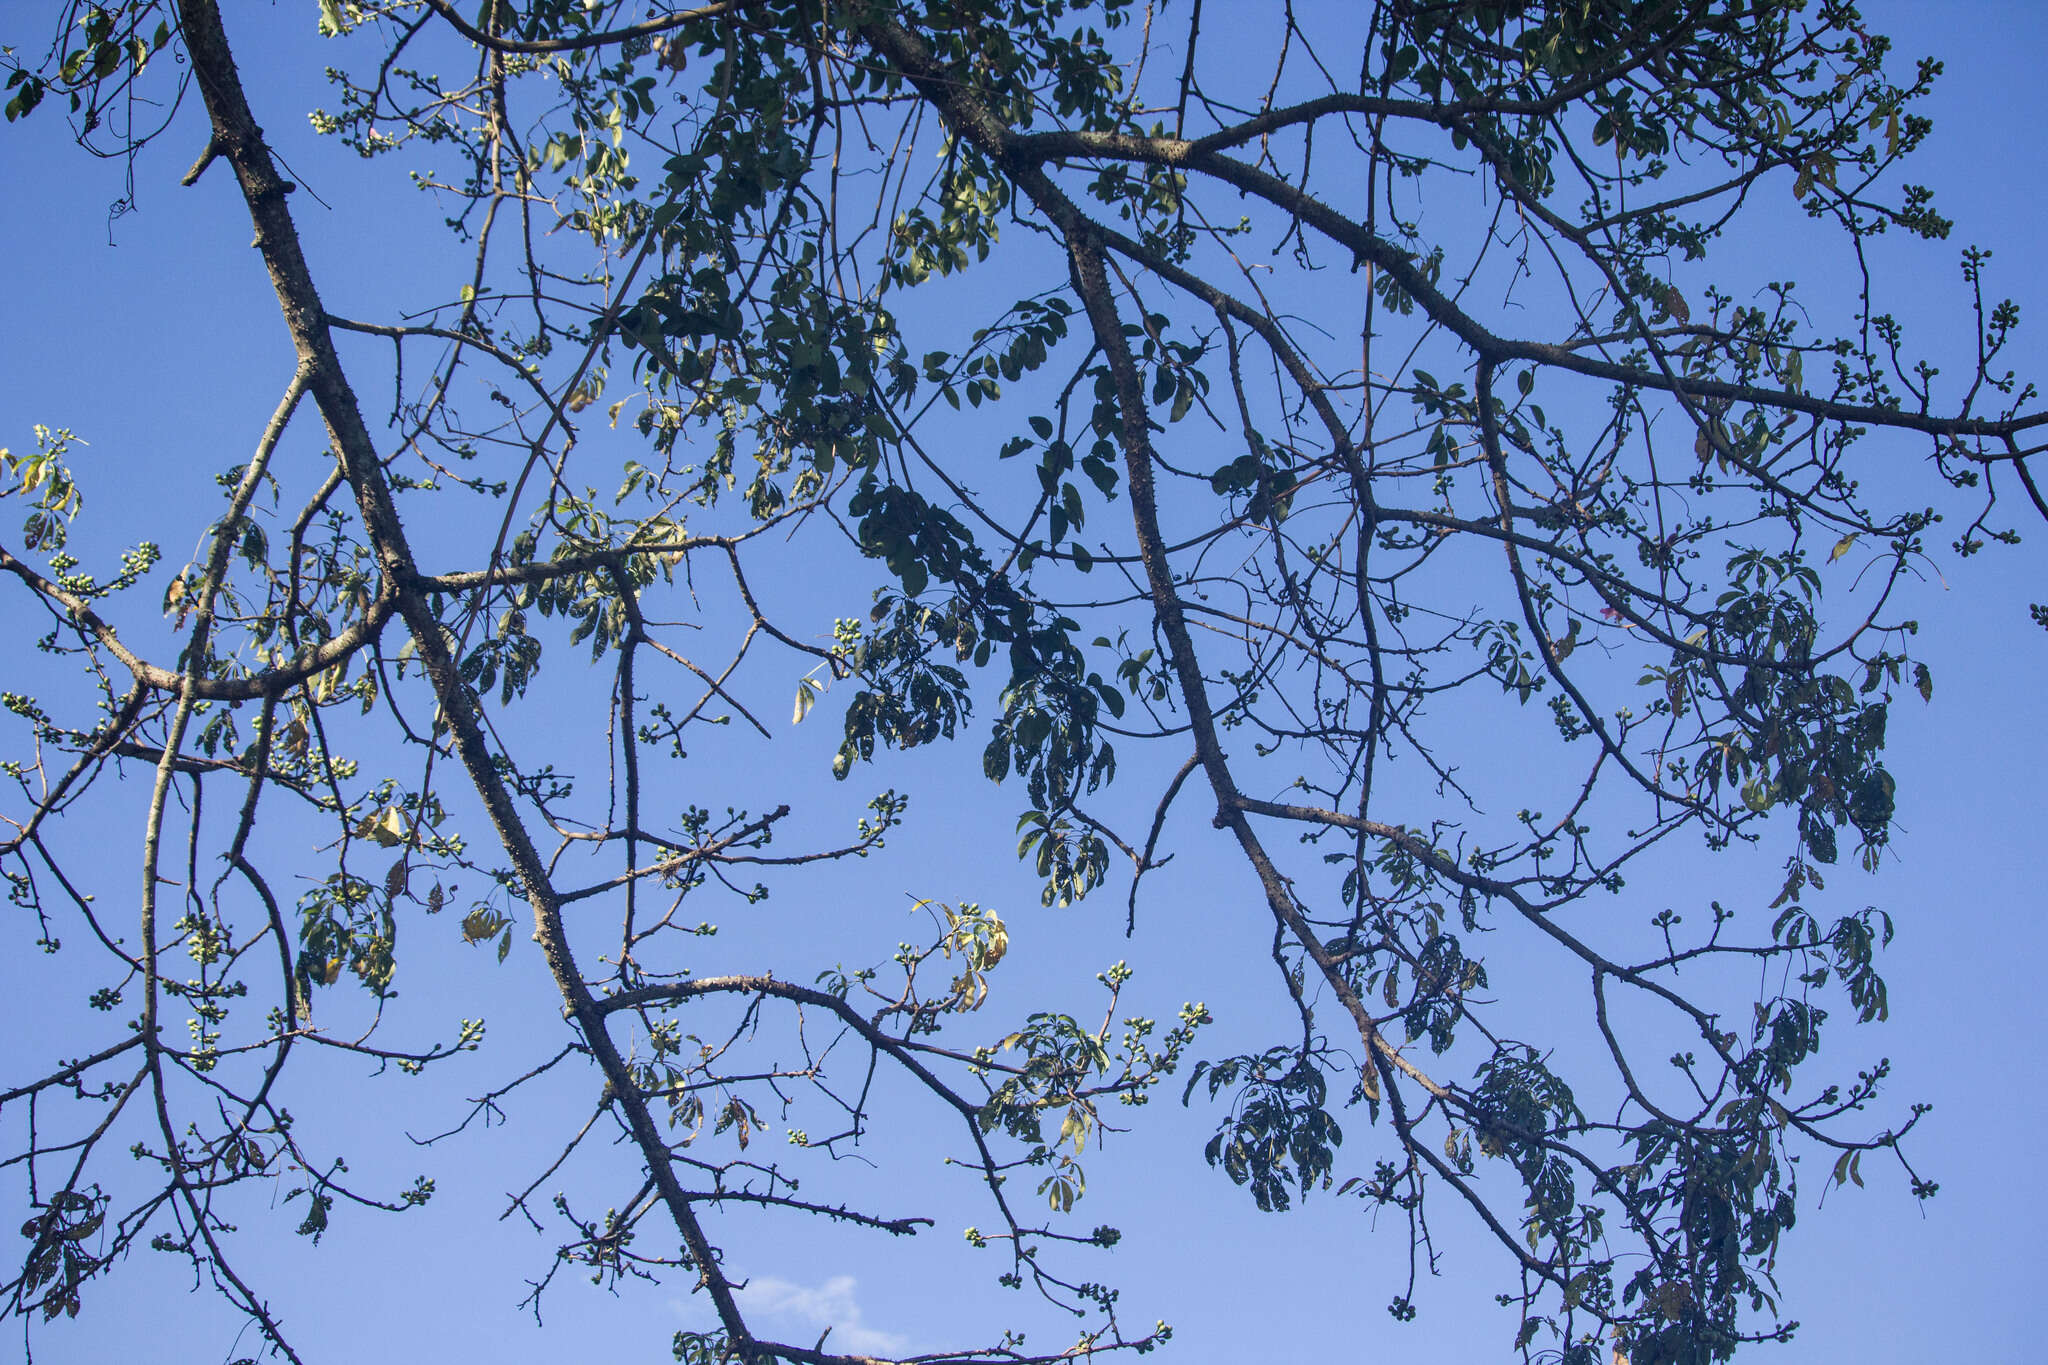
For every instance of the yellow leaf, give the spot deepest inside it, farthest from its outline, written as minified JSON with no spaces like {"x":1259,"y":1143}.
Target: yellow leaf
{"x":387,"y":827}
{"x":481,"y":923}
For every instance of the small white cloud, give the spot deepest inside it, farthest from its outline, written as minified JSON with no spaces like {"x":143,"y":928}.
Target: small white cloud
{"x":801,"y":1311}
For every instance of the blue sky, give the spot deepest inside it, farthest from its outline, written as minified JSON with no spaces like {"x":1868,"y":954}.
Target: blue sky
{"x":154,"y":336}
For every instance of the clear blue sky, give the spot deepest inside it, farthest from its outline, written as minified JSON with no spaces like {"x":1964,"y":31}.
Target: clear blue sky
{"x":155,"y":337}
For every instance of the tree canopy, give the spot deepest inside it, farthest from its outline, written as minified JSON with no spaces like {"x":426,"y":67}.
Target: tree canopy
{"x":1366,"y":439}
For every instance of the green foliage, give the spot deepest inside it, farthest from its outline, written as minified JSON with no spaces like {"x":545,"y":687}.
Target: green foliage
{"x":930,"y":307}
